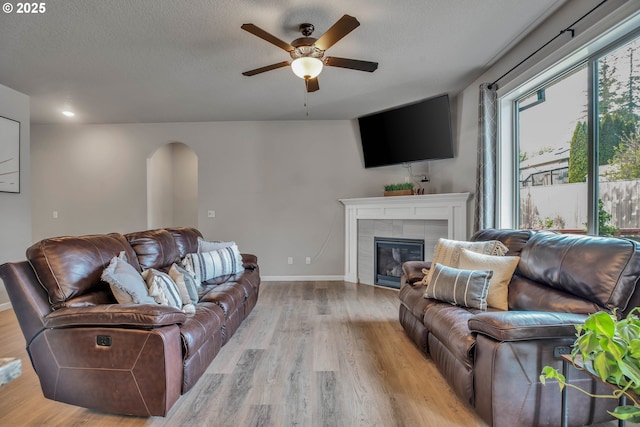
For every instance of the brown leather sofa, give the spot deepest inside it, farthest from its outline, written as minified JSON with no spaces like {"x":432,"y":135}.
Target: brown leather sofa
{"x":493,"y":359}
{"x":137,"y":359}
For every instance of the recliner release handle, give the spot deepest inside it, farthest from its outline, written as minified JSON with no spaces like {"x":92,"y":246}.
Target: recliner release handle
{"x":103,"y":340}
{"x":560,"y":350}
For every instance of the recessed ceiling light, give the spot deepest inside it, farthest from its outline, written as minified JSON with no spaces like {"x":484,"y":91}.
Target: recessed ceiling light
{"x":68,"y":113}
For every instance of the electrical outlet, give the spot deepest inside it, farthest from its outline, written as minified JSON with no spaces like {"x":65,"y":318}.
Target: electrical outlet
{"x":290,"y":260}
{"x":307,"y":260}
{"x":211,"y":214}
{"x":55,"y":214}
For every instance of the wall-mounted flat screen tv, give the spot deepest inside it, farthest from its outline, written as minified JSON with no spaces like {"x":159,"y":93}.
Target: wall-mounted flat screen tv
{"x":410,"y":133}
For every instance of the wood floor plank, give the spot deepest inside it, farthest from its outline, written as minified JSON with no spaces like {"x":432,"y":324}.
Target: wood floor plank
{"x":328,"y":409}
{"x":240,"y":383}
{"x":310,"y":354}
{"x":259,"y":416}
{"x":195,"y":406}
{"x":259,"y":333}
{"x":269,"y":385}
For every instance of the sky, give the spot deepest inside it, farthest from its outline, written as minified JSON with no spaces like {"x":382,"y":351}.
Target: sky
{"x":551,"y":123}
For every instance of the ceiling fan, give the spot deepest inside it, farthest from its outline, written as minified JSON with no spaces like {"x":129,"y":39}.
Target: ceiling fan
{"x":307,"y":53}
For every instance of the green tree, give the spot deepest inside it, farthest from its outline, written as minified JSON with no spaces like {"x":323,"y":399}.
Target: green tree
{"x":578,"y":154}
{"x":608,"y":87}
{"x":626,"y":159}
{"x":613,"y":131}
{"x":613,"y":127}
{"x":630,"y":97}
{"x":604,"y":228}
{"x":523,"y":156}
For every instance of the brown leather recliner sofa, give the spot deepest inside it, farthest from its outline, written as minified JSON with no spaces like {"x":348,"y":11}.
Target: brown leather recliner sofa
{"x":492,"y":359}
{"x":137,"y":359}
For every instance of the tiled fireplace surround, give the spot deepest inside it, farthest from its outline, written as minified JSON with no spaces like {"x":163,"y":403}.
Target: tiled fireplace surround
{"x":427,"y":217}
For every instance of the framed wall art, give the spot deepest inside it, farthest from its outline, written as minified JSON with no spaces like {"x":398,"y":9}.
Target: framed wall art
{"x":9,"y":155}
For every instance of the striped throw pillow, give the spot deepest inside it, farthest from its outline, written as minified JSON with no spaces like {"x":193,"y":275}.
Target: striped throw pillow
{"x":207,"y":265}
{"x":180,"y":275}
{"x":466,"y":288}
{"x":162,"y":288}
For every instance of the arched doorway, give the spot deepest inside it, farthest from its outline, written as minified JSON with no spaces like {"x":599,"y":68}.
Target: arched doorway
{"x":172,"y":187}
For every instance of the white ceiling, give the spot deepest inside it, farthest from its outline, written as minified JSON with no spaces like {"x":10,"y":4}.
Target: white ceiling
{"x":119,"y":61}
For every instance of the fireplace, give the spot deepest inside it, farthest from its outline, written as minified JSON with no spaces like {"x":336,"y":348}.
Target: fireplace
{"x":428,"y":217}
{"x":389,"y":254}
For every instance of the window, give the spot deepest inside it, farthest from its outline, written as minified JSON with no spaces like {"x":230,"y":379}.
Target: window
{"x":577,"y":147}
{"x":548,"y":197}
{"x":618,"y":139}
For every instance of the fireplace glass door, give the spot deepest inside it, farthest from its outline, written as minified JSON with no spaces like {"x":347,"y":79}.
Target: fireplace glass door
{"x":389,"y":254}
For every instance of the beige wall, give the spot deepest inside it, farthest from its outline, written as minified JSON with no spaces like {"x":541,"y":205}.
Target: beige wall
{"x":95,"y":177}
{"x":172,"y":187}
{"x":15,"y":208}
{"x":274,"y":185}
{"x":160,"y":188}
{"x":185,"y":185}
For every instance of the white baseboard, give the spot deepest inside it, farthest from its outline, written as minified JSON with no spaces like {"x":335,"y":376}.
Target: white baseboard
{"x":329,"y":278}
{"x":5,"y":306}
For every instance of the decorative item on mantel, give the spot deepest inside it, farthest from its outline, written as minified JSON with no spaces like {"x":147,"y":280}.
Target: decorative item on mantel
{"x":401,"y":189}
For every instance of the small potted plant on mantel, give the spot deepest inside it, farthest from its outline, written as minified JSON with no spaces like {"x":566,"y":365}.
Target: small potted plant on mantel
{"x":609,"y":349}
{"x":401,"y":189}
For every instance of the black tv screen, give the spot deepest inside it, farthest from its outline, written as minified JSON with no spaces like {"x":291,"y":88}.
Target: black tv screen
{"x":411,"y":133}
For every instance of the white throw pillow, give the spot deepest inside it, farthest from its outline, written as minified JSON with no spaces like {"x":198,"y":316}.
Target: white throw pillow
{"x":208,"y":246}
{"x":503,"y":268}
{"x":166,"y":292}
{"x":447,"y":252}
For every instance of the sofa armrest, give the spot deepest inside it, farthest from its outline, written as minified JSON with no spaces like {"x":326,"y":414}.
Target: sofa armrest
{"x":249,"y":261}
{"x":137,"y":315}
{"x":525,"y":325}
{"x":412,"y":270}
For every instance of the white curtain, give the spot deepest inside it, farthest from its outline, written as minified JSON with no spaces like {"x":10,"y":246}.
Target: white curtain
{"x":485,"y":207}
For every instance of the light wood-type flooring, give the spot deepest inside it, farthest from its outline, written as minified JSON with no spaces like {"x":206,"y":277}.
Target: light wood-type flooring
{"x":310,"y":354}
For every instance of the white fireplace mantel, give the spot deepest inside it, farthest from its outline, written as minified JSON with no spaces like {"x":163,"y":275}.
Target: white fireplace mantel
{"x":451,"y":207}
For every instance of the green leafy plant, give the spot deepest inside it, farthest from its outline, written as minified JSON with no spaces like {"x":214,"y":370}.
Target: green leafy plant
{"x":399,"y":186}
{"x":610,"y":349}
{"x":549,"y":223}
{"x":604,"y":217}
{"x":604,"y":228}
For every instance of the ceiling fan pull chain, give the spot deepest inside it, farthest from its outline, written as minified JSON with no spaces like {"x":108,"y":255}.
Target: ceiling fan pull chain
{"x":306,"y":105}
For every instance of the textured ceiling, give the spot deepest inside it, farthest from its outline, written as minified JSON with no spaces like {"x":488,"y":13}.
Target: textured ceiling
{"x":119,"y":61}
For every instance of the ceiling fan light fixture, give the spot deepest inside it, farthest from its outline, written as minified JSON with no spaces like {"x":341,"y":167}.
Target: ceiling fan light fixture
{"x":306,"y":67}
{"x":307,"y":53}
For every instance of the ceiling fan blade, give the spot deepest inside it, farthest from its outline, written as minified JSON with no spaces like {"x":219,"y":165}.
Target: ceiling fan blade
{"x":266,"y":68}
{"x":257,"y":31}
{"x":352,"y":64}
{"x":344,"y":26}
{"x":312,"y":84}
